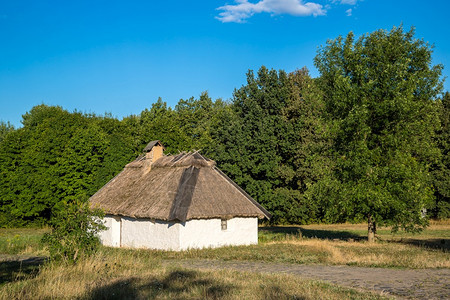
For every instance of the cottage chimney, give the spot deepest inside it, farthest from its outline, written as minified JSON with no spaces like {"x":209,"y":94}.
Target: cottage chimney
{"x":153,"y":151}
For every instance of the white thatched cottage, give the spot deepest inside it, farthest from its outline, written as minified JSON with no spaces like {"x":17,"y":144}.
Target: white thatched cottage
{"x":176,"y":202}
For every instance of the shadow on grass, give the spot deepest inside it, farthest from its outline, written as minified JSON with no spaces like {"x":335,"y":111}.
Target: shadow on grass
{"x":178,"y":284}
{"x":13,"y":270}
{"x":441,"y":244}
{"x":282,"y":232}
{"x":279,"y":232}
{"x":275,"y":292}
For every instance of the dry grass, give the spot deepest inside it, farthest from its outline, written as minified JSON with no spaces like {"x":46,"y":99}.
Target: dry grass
{"x":316,"y":251}
{"x":437,"y":228}
{"x":342,"y":244}
{"x":138,"y":275}
{"x":440,"y":222}
{"x":380,"y":254}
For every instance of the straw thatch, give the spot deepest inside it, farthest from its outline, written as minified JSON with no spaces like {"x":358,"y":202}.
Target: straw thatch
{"x":179,"y":187}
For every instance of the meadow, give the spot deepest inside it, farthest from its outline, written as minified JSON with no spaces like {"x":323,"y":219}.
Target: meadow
{"x":127,"y":274}
{"x":342,"y":244}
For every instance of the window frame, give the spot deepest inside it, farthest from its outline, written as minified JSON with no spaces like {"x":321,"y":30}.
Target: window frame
{"x":223,"y":224}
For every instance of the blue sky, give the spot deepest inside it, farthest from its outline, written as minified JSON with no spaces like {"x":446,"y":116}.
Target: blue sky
{"x":120,"y":56}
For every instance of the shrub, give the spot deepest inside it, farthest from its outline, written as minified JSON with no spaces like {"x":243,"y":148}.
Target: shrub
{"x":74,"y":232}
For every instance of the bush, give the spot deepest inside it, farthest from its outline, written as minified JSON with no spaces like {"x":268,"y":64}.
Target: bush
{"x":74,"y":232}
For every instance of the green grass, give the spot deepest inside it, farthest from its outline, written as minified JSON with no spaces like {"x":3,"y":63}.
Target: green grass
{"x":342,"y":244}
{"x":124,"y":273}
{"x":137,"y":274}
{"x":315,"y":251}
{"x":437,"y":229}
{"x":20,"y":253}
{"x":21,"y":240}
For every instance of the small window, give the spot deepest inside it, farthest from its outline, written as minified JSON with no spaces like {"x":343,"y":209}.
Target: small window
{"x":223,"y":224}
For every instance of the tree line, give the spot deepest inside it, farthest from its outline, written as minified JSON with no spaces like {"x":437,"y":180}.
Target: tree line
{"x":368,"y":140}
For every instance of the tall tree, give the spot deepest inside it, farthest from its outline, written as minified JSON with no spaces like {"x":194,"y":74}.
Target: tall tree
{"x":378,"y":94}
{"x":120,"y":147}
{"x":5,"y":128}
{"x":158,"y":123}
{"x":28,"y":157}
{"x":56,"y":157}
{"x":254,"y":156}
{"x":304,"y":143}
{"x":10,"y":160}
{"x":441,"y":170}
{"x":193,"y":118}
{"x":264,"y":142}
{"x":187,"y":127}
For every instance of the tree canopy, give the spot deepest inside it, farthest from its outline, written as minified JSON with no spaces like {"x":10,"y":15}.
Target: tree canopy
{"x":379,"y":93}
{"x":441,"y":168}
{"x":366,"y":140}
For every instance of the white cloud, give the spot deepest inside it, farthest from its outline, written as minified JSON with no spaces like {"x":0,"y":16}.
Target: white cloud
{"x":243,"y":9}
{"x":348,"y":12}
{"x":349,"y":2}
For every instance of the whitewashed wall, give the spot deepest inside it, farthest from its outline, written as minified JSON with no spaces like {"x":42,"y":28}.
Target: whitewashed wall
{"x":111,"y":236}
{"x":206,"y":233}
{"x":144,"y":233}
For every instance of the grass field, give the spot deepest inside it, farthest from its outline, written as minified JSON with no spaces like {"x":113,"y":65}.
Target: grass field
{"x":342,"y":244}
{"x":139,"y":275}
{"x":21,"y":240}
{"x":124,"y":273}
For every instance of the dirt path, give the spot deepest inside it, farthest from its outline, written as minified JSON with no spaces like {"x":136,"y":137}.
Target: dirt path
{"x":415,"y":284}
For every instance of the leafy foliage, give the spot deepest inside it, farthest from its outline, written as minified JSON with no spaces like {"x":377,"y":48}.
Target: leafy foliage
{"x":5,"y":128}
{"x":74,"y":232}
{"x":378,"y":95}
{"x":368,"y":139}
{"x":47,"y":161}
{"x":441,"y":169}
{"x":264,"y":142}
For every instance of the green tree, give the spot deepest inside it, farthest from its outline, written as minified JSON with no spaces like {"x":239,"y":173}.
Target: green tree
{"x":187,"y":127}
{"x":441,"y":170}
{"x":29,"y":158}
{"x":11,"y":178}
{"x":5,"y":128}
{"x":120,"y":146}
{"x":264,"y":141}
{"x":158,"y":123}
{"x":80,"y":162}
{"x":251,"y":154}
{"x":304,"y":142}
{"x":378,"y":94}
{"x":57,"y":156}
{"x":194,"y":117}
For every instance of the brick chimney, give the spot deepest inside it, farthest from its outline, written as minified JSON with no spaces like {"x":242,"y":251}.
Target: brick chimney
{"x":153,"y":151}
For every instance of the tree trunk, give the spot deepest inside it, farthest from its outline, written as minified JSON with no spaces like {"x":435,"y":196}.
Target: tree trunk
{"x":372,"y":230}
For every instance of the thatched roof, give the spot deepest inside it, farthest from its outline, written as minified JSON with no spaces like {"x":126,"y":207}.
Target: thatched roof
{"x":178,"y":187}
